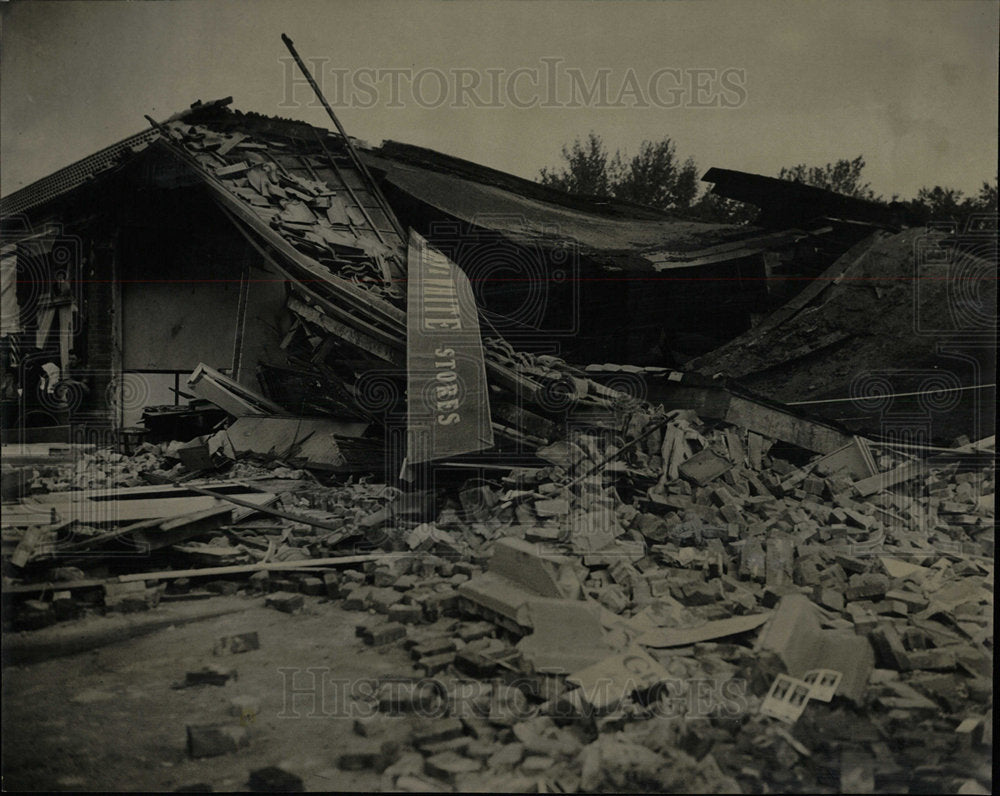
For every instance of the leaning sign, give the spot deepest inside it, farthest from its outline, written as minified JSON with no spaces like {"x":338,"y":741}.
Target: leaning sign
{"x":448,"y":407}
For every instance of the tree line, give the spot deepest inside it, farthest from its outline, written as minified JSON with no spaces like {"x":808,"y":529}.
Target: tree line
{"x":657,"y":177}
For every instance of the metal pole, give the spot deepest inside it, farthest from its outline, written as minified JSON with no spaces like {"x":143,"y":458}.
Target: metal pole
{"x":350,"y":147}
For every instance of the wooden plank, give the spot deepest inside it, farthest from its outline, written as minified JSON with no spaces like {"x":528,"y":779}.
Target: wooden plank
{"x":42,"y":588}
{"x":912,"y":469}
{"x":662,"y":260}
{"x":238,"y":569}
{"x":156,"y":533}
{"x":756,"y":448}
{"x":347,"y":333}
{"x":163,"y":488}
{"x":394,"y":337}
{"x":267,"y":510}
{"x":101,"y":538}
{"x":114,"y":266}
{"x":719,"y":628}
{"x":231,"y":396}
{"x":737,"y":451}
{"x":47,"y":453}
{"x":22,"y":515}
{"x":520,"y":418}
{"x":777,"y":424}
{"x":855,"y":457}
{"x":122,"y":505}
{"x":830,"y":276}
{"x":523,"y":387}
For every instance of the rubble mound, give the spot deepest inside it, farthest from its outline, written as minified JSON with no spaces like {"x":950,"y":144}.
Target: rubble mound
{"x":883,"y":313}
{"x":666,"y":606}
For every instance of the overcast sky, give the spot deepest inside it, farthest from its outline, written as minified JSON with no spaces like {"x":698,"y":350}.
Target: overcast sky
{"x":911,"y":85}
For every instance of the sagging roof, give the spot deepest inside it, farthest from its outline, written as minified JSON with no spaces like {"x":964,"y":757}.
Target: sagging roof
{"x":289,"y":186}
{"x":617,"y":234}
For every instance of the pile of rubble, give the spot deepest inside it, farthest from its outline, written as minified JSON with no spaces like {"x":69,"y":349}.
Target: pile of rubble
{"x":685,"y":639}
{"x":668,"y":604}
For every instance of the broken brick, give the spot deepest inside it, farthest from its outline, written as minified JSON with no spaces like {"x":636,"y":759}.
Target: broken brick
{"x":213,"y":740}
{"x":399,"y":697}
{"x":433,"y":664}
{"x":210,"y":675}
{"x":376,"y":635}
{"x":436,"y":731}
{"x":433,"y":647}
{"x":448,"y":765}
{"x":275,"y":780}
{"x":285,"y":601}
{"x":235,"y":644}
{"x":405,"y":614}
{"x":314,"y":587}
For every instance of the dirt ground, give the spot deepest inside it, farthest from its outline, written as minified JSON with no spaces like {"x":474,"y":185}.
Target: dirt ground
{"x":109,"y":720}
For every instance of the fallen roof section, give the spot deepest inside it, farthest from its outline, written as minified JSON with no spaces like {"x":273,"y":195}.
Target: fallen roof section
{"x":786,"y":203}
{"x":618,"y":235}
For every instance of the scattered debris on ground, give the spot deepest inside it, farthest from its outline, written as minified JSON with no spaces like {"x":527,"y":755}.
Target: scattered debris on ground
{"x":659,"y":605}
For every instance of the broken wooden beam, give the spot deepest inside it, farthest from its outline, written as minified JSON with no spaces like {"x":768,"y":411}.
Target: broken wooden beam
{"x":210,"y":385}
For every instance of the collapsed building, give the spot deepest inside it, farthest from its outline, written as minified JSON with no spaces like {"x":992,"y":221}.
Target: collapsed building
{"x":193,"y":234}
{"x":256,"y":358}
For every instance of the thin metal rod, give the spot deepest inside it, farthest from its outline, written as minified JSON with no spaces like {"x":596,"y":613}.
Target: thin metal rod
{"x":358,"y":163}
{"x":262,"y":509}
{"x":346,"y":184}
{"x":659,"y":423}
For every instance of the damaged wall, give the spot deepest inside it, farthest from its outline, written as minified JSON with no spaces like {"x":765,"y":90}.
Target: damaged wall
{"x":161,"y":281}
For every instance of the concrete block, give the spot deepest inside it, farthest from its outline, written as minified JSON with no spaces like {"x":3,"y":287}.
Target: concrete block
{"x":889,"y":649}
{"x":385,"y":633}
{"x":259,"y":581}
{"x":236,"y":644}
{"x":357,"y":599}
{"x":382,"y":598}
{"x":448,"y":765}
{"x":409,"y":696}
{"x":405,"y":614}
{"x":285,"y":601}
{"x":213,"y":740}
{"x":703,"y":468}
{"x":314,"y":587}
{"x":795,"y":635}
{"x":434,"y":664}
{"x":210,"y":675}
{"x":275,"y":780}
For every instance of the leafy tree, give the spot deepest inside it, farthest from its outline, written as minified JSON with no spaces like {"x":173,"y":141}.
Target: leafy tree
{"x":713,"y":208}
{"x":844,"y":177}
{"x":654,"y":177}
{"x":941,"y":204}
{"x":946,"y":204}
{"x":987,"y":199}
{"x":586,"y":170}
